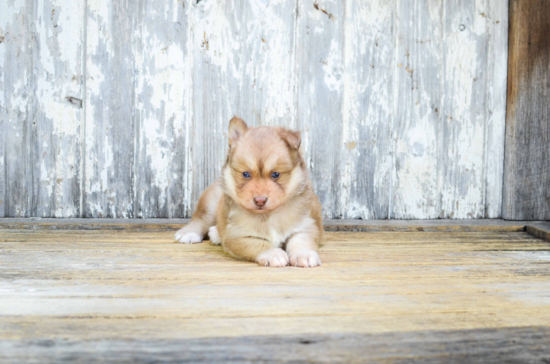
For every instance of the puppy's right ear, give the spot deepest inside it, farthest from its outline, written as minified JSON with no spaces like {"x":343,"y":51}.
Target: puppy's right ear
{"x":237,"y":127}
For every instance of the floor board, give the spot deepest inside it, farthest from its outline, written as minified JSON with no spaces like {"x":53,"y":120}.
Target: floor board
{"x":136,"y":296}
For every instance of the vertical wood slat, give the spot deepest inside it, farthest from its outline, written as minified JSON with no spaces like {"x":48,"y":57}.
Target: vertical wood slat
{"x":162,"y":109}
{"x":110,"y":105}
{"x":417,"y":110}
{"x":319,"y":72}
{"x":16,"y":96}
{"x":367,"y":109}
{"x":445,"y":79}
{"x":57,"y":89}
{"x":527,"y":158}
{"x":151,"y":145}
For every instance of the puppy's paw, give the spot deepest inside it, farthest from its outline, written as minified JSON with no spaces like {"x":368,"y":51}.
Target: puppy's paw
{"x":273,"y":258}
{"x":186,"y":236}
{"x":214,"y":236}
{"x":305,"y":258}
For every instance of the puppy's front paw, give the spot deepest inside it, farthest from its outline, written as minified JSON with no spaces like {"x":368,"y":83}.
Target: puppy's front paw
{"x":185,"y":236}
{"x":305,"y":258}
{"x":214,"y":236}
{"x":273,"y":258}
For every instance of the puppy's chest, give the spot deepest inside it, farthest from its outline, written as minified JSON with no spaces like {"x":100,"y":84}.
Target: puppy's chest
{"x":275,"y":230}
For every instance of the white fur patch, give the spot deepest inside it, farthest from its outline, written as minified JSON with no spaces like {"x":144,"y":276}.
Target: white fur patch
{"x":306,"y":258}
{"x":188,"y":235}
{"x":273,"y":258}
{"x":189,"y":238}
{"x":214,"y":236}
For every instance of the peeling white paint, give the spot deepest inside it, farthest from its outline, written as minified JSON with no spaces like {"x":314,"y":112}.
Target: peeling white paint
{"x":349,"y":77}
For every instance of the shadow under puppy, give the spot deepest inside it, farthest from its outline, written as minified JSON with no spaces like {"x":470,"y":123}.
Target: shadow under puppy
{"x":263,"y":203}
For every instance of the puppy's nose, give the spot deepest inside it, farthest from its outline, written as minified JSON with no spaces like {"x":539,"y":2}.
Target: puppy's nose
{"x":260,"y":201}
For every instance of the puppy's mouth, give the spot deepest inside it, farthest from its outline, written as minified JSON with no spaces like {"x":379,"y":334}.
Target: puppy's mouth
{"x":259,"y":209}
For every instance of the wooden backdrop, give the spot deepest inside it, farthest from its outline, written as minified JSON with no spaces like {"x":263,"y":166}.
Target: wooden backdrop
{"x":119,"y":108}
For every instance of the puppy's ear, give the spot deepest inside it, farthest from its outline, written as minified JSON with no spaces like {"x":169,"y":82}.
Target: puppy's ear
{"x":237,"y":127}
{"x":293,"y":138}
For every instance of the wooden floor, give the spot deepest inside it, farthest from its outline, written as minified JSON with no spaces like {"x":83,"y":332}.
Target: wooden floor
{"x":135,"y":296}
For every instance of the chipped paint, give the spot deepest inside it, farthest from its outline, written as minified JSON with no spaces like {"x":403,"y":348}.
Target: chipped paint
{"x":401,"y":110}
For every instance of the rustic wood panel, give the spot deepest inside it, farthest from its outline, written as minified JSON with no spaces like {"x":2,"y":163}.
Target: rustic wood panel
{"x":366,"y":146}
{"x":402,"y":111}
{"x":16,"y":94}
{"x":137,"y":287}
{"x":506,"y":345}
{"x":319,"y":72}
{"x":527,"y":160}
{"x":110,"y":135}
{"x":439,"y":225}
{"x":449,"y":112}
{"x":57,"y":108}
{"x":417,"y":110}
{"x":163,"y":94}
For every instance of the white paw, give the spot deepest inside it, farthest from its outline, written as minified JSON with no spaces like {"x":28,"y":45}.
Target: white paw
{"x":187,"y":237}
{"x":214,"y":236}
{"x":305,"y":258}
{"x":273,"y":258}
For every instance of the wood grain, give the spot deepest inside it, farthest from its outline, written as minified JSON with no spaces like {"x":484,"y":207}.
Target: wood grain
{"x":527,"y":166}
{"x":440,"y":225}
{"x":162,"y":110}
{"x":457,"y":294}
{"x":109,"y":166}
{"x":366,"y":147}
{"x":401,"y":104}
{"x":319,"y":72}
{"x":16,"y":100}
{"x":57,"y":108}
{"x":509,"y":345}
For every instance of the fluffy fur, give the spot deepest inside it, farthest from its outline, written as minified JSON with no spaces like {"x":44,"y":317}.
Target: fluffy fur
{"x":272,"y":219}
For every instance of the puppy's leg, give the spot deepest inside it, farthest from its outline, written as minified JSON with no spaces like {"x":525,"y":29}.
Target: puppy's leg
{"x":214,"y":236}
{"x":204,"y":216}
{"x":257,"y":250}
{"x":301,"y":248}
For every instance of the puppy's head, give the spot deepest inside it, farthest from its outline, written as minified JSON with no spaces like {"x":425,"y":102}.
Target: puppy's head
{"x":264,"y":167}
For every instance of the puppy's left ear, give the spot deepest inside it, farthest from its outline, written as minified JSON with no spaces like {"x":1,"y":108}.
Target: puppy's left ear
{"x":293,"y":138}
{"x":237,"y":127}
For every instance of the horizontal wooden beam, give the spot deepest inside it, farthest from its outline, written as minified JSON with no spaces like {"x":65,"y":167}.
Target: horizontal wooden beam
{"x":330,"y":225}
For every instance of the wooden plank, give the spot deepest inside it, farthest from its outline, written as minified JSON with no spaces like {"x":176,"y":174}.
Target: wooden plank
{"x":57,"y":117}
{"x":467,"y":64}
{"x":366,"y":106}
{"x":86,"y":294}
{"x":417,"y":111}
{"x":525,"y":344}
{"x":16,"y":99}
{"x":319,"y":72}
{"x":539,"y":229}
{"x":163,"y":94}
{"x":329,"y":225}
{"x":89,"y":294}
{"x":443,"y":167}
{"x":243,"y":65}
{"x":527,"y":157}
{"x":110,"y":105}
{"x":496,"y":76}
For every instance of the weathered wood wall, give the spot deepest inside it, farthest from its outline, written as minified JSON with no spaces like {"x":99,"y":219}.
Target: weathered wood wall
{"x":527,"y":162}
{"x":120,"y":108}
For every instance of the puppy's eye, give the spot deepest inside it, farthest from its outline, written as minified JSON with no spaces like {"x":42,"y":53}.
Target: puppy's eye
{"x":246,"y":175}
{"x":275,"y":175}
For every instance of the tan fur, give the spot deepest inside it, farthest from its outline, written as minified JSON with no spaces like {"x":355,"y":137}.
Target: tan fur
{"x":288,"y":228}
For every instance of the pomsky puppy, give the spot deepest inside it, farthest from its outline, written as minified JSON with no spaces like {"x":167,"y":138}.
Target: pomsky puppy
{"x":263,"y":208}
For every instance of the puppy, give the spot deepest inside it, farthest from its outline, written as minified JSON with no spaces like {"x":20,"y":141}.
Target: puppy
{"x":263,"y":209}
